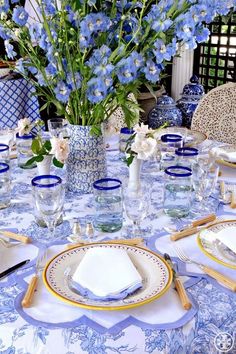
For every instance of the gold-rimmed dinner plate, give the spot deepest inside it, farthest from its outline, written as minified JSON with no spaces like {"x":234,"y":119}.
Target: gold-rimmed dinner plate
{"x":155,"y":272}
{"x":214,"y":249}
{"x":224,"y":161}
{"x":191,"y":137}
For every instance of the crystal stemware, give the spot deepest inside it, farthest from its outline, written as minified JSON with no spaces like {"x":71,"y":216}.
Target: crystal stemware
{"x":57,"y":127}
{"x":48,"y":193}
{"x":204,"y":178}
{"x":136,"y":203}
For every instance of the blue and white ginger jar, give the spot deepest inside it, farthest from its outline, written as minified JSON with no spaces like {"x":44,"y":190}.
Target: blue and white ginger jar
{"x":191,"y":96}
{"x":86,"y":162}
{"x":165,"y":111}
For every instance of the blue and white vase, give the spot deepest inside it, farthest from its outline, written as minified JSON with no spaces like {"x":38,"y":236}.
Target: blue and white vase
{"x":86,"y":162}
{"x":165,"y":111}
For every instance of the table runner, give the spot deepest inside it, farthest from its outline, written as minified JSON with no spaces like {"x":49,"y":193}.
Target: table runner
{"x":216,"y":305}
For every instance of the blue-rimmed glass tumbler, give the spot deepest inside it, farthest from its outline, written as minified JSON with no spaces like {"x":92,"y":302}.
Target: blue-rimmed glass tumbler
{"x":108,"y":204}
{"x":125,"y":135}
{"x":169,"y":143}
{"x":177,"y":191}
{"x":5,"y":185}
{"x":48,"y":193}
{"x":24,"y":152}
{"x":186,"y":156}
{"x":4,"y":153}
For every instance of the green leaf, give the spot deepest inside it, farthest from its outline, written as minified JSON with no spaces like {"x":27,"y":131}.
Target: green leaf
{"x":129,"y":160}
{"x":39,"y":158}
{"x":35,"y":146}
{"x":31,"y":161}
{"x":57,"y":163}
{"x":47,"y":145}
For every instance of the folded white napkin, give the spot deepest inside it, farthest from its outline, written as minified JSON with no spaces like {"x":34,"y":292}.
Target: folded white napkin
{"x":226,"y":155}
{"x":227,"y":236}
{"x":106,"y":271}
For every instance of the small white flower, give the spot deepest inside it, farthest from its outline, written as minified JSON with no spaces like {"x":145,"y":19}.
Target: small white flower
{"x":24,"y":126}
{"x":142,"y":129}
{"x":3,"y":16}
{"x":144,"y":147}
{"x":60,"y":148}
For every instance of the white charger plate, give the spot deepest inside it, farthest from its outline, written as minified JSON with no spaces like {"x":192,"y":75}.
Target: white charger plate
{"x":216,"y":250}
{"x":224,"y":161}
{"x":155,"y":272}
{"x":191,"y":137}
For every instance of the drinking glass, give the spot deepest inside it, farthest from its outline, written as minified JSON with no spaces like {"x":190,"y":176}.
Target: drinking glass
{"x":136,"y":203}
{"x":48,"y":192}
{"x":5,"y":186}
{"x":204,"y":179}
{"x":4,"y":153}
{"x":169,"y":143}
{"x":57,"y":127}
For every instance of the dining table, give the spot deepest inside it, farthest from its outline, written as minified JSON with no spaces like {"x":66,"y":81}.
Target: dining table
{"x":17,"y":101}
{"x":53,"y":326}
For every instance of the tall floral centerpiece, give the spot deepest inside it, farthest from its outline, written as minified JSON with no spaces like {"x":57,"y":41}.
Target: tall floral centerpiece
{"x":85,"y":57}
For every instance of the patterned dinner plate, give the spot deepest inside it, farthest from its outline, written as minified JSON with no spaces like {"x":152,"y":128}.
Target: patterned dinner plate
{"x":155,"y":272}
{"x":191,"y":137}
{"x":224,"y":161}
{"x":214,"y":249}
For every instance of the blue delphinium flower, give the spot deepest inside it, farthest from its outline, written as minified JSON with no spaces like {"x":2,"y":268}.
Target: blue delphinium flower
{"x":94,"y":22}
{"x":51,"y":70}
{"x":163,"y":51}
{"x":185,"y":27}
{"x":9,"y":49}
{"x":49,"y":7}
{"x":152,"y":71}
{"x":202,"y":33}
{"x":126,"y":70}
{"x":74,"y":80}
{"x":97,"y":90}
{"x":35,"y":30}
{"x":19,"y":66}
{"x":4,"y":6}
{"x":3,"y":33}
{"x":62,"y":91}
{"x":73,"y":17}
{"x":40,"y":79}
{"x":137,"y":59}
{"x":20,"y":16}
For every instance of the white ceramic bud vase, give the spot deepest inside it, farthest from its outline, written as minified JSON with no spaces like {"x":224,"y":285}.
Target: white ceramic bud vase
{"x":45,"y":165}
{"x":134,"y":174}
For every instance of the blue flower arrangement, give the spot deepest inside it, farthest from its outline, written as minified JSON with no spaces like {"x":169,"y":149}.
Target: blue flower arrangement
{"x":87,"y":56}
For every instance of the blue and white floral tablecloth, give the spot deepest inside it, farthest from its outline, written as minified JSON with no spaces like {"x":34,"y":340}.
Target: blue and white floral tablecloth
{"x":56,"y":328}
{"x":16,"y":102}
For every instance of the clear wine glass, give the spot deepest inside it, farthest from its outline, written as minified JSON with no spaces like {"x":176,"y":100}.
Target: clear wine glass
{"x":204,"y":178}
{"x":136,"y":203}
{"x":57,"y":127}
{"x":48,"y":193}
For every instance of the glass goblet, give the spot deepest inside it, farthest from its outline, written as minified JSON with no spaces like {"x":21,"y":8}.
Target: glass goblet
{"x":136,"y":203}
{"x":204,"y":182}
{"x":48,"y":192}
{"x":57,"y":127}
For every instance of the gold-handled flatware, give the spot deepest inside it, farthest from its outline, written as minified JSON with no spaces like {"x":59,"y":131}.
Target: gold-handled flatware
{"x":233,"y":198}
{"x":196,"y":226}
{"x":32,"y":286}
{"x":226,"y":281}
{"x":14,"y":236}
{"x":179,"y":285}
{"x":138,"y":241}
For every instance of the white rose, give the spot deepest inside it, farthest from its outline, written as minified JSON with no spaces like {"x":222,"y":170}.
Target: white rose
{"x":60,"y":148}
{"x":144,"y":148}
{"x":142,"y":129}
{"x":24,"y":126}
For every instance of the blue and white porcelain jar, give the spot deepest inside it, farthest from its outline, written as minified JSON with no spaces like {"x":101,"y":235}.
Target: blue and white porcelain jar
{"x":86,"y":162}
{"x":165,"y":111}
{"x":192,"y":94}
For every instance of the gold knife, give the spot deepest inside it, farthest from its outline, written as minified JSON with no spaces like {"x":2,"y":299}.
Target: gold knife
{"x":179,"y":285}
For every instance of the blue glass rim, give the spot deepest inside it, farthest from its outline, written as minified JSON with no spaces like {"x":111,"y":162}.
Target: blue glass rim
{"x":4,"y":147}
{"x":187,"y":172}
{"x":126,"y":130}
{"x":4,"y":167}
{"x":186,"y":151}
{"x":35,"y":180}
{"x":25,"y":136}
{"x":171,"y":138}
{"x":97,"y":184}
